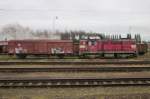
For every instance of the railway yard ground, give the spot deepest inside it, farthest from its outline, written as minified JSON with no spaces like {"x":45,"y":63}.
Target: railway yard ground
{"x":75,"y":78}
{"x":130,"y":92}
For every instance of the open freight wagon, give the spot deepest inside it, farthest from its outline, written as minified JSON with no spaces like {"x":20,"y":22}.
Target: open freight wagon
{"x":22,"y":48}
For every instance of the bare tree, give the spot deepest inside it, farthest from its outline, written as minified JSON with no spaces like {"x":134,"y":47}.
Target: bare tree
{"x":15,"y":31}
{"x":41,"y":33}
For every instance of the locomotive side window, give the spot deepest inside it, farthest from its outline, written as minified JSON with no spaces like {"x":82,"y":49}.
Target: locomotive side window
{"x":92,"y":43}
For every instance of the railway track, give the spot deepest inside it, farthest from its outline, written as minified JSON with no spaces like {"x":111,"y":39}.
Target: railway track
{"x":50,"y":82}
{"x":89,"y":62}
{"x":74,"y":69}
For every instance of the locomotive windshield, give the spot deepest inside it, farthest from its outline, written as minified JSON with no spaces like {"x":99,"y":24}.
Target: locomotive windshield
{"x":92,"y":42}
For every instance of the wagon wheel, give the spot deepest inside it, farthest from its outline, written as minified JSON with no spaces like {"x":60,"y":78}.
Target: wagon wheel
{"x":61,"y":56}
{"x":21,"y":56}
{"x":83,"y":56}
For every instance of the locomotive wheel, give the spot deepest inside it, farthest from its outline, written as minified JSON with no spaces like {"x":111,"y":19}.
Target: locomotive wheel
{"x":102,"y":55}
{"x":116,"y":55}
{"x":135,"y":55}
{"x":99,"y":55}
{"x":91,"y":56}
{"x":83,"y":56}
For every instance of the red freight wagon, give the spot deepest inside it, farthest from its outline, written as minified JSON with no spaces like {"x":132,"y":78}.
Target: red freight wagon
{"x":40,"y":47}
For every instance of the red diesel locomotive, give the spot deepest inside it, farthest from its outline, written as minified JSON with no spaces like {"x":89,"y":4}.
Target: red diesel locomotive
{"x":102,"y":47}
{"x":82,"y":48}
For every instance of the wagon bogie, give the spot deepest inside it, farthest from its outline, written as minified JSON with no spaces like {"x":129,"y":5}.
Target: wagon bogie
{"x":21,"y":56}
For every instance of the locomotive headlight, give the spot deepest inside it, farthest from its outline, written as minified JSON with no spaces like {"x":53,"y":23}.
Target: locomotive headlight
{"x":133,"y":46}
{"x":82,"y":46}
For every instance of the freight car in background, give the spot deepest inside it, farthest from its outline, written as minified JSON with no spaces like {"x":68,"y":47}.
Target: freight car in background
{"x":142,"y":48}
{"x":91,"y":47}
{"x":3,"y":47}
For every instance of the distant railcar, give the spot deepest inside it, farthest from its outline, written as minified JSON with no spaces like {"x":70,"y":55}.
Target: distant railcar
{"x":3,"y":47}
{"x":142,"y":48}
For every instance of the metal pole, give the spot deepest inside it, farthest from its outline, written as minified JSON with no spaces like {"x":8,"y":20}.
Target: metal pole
{"x":130,"y":28}
{"x":53,"y":24}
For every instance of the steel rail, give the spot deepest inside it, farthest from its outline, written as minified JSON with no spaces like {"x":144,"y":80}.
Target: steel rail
{"x":74,"y":62}
{"x":74,"y":69}
{"x":49,"y":82}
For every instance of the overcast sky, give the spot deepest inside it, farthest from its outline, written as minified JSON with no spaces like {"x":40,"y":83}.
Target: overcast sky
{"x":109,"y":16}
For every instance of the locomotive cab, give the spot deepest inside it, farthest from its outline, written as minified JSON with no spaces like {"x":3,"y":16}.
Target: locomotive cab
{"x":89,"y":47}
{"x":92,"y":46}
